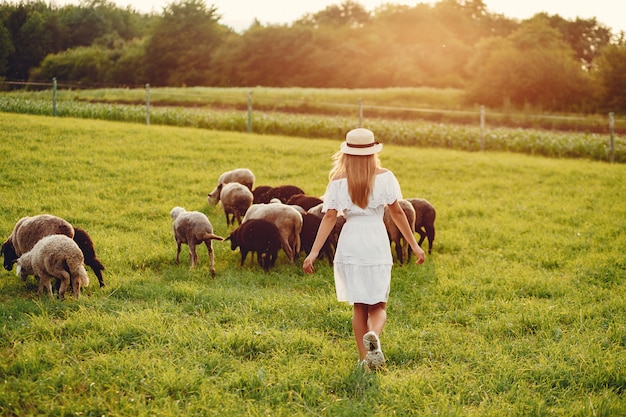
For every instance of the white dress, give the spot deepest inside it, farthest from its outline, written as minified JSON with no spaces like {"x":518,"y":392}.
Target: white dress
{"x":363,"y":260}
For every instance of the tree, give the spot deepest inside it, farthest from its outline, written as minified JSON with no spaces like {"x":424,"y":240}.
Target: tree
{"x":6,"y":49}
{"x":611,"y":75}
{"x":347,"y":14}
{"x":585,"y":36}
{"x":532,"y":66}
{"x":182,"y":42}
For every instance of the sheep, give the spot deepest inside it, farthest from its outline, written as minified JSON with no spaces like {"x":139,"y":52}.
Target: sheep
{"x":395,"y":236}
{"x":236,"y":198}
{"x":260,"y":236}
{"x":29,"y":230}
{"x":304,"y":201}
{"x":425,"y":215}
{"x":310,"y":225}
{"x":84,"y":242}
{"x":55,"y":256}
{"x":193,"y":228}
{"x":258,"y":192}
{"x":240,"y":175}
{"x":333,"y":237}
{"x":283,"y":193}
{"x":288,"y":221}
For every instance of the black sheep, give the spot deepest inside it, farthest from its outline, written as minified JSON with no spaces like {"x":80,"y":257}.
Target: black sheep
{"x":310,"y":225}
{"x":304,"y":201}
{"x":84,"y":242}
{"x":260,"y":236}
{"x":283,"y":193}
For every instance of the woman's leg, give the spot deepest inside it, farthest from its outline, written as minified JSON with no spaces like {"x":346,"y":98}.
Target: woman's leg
{"x":365,"y":318}
{"x":359,"y":325}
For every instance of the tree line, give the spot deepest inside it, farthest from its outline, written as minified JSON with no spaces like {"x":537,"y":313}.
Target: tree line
{"x":545,"y":62}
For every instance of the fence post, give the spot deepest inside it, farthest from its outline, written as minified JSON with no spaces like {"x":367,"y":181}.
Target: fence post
{"x":612,"y":130}
{"x":250,"y":112}
{"x":482,"y":128}
{"x":54,"y":96}
{"x":360,"y":112}
{"x":147,"y":103}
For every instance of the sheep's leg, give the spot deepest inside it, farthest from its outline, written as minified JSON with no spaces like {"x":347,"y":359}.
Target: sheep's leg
{"x":244,"y":253}
{"x":45,"y":282}
{"x":193,"y":256}
{"x":209,"y":246}
{"x":422,"y":236}
{"x":287,"y":248}
{"x":65,"y":282}
{"x":178,"y":244}
{"x":430,"y":232}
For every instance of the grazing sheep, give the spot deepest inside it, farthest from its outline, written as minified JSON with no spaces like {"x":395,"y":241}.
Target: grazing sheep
{"x":304,"y":201}
{"x":236,"y":198}
{"x":283,"y":193}
{"x":240,"y":175}
{"x":259,"y":192}
{"x":55,"y":256}
{"x":29,"y":230}
{"x":395,"y":236}
{"x":425,"y":215}
{"x":260,"y":236}
{"x":310,"y":225}
{"x":286,"y":218}
{"x":84,"y":242}
{"x":333,"y":237}
{"x":193,"y":228}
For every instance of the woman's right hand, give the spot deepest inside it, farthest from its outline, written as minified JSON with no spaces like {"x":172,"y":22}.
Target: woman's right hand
{"x":307,"y":265}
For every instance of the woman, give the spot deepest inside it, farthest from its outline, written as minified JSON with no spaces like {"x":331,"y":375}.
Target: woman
{"x":360,"y":188}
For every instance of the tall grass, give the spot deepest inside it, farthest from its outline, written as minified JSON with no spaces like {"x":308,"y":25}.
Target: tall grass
{"x":519,"y":310}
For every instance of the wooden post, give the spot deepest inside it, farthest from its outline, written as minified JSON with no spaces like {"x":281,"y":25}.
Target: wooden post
{"x":54,"y":96}
{"x":612,"y":130}
{"x":482,"y":128}
{"x":360,"y":112}
{"x":250,"y":112}
{"x":148,"y":104}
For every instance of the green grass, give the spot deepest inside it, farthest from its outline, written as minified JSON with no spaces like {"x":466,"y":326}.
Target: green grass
{"x":519,"y":311}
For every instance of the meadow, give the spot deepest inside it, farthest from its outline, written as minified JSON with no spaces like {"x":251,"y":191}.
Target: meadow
{"x":519,"y":311}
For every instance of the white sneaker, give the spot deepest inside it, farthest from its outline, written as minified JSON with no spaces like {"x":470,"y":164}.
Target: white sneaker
{"x":374,"y":358}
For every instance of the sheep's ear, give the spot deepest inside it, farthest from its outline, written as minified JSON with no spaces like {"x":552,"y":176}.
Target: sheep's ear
{"x":18,"y":269}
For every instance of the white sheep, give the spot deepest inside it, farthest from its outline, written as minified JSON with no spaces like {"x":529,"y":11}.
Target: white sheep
{"x":287,"y":219}
{"x":395,"y":236}
{"x":55,"y":256}
{"x":240,"y":175}
{"x":193,"y":228}
{"x":235,"y":198}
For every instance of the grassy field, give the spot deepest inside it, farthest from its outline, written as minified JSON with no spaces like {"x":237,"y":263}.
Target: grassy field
{"x":519,"y":311}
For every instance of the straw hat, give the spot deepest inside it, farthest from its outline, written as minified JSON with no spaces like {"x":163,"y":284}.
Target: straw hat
{"x":360,"y":142}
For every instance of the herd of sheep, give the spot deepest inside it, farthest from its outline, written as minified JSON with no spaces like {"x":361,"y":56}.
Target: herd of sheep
{"x":267,"y":218}
{"x":285,"y":217}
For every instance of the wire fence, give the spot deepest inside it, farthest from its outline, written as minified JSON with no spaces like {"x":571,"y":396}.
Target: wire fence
{"x":145,"y":100}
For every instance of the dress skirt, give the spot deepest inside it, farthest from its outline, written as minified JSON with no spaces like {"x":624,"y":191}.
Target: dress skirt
{"x":363,"y":261}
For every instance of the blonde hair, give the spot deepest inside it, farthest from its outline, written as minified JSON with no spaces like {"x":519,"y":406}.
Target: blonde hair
{"x":360,"y":171}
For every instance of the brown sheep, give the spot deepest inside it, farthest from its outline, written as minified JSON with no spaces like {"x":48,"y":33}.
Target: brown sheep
{"x":395,"y":236}
{"x":425,"y":215}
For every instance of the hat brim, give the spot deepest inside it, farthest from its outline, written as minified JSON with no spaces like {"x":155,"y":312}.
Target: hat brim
{"x":370,"y":150}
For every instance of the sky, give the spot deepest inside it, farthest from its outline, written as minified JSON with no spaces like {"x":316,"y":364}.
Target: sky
{"x":239,"y":14}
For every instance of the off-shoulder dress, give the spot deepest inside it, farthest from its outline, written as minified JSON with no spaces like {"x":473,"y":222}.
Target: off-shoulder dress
{"x":363,"y":259}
